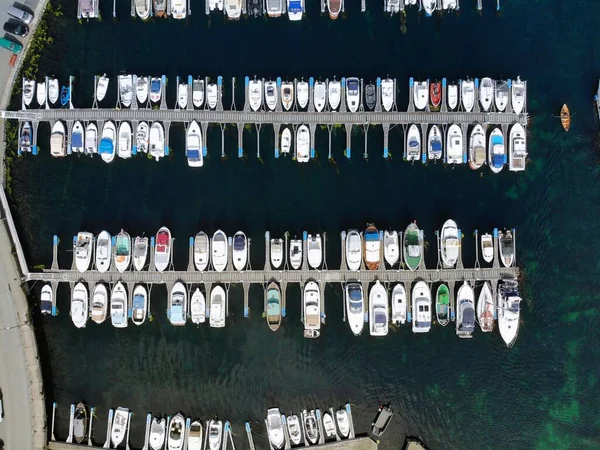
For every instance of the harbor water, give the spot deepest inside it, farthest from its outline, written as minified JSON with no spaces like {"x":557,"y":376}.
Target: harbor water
{"x":468,"y":394}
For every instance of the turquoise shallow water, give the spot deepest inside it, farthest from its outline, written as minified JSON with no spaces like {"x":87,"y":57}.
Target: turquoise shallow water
{"x":542,"y":393}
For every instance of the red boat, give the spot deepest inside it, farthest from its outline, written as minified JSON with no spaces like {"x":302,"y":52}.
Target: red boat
{"x":435,"y":94}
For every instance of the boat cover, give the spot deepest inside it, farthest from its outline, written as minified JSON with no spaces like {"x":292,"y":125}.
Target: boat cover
{"x":176,"y":313}
{"x":239,"y":243}
{"x":138,"y":301}
{"x":498,"y":160}
{"x":77,"y":140}
{"x":273,"y":306}
{"x":436,"y":146}
{"x":155,"y":86}
{"x":193,"y":155}
{"x":295,"y":6}
{"x":497,"y":140}
{"x":372,"y":236}
{"x":106,"y":146}
{"x":468,"y":320}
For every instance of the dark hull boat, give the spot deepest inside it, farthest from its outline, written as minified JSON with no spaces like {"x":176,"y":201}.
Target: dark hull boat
{"x":254,"y":8}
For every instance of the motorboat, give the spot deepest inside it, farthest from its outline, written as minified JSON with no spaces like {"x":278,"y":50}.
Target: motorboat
{"x":178,"y":10}
{"x":454,"y":145}
{"x":311,"y":429}
{"x":353,"y":250}
{"x":125,"y":90}
{"x":212,"y":95}
{"x":254,"y":8}
{"x":465,"y":311}
{"x":302,"y":144}
{"x":215,"y":434}
{"x":233,"y":9}
{"x":142,"y":9}
{"x":391,"y":248}
{"x":160,"y":8}
{"x":141,"y":89}
{"x":434,"y":143}
{"x":435,"y":90}
{"x":421,"y":94}
{"x":315,"y":251}
{"x":155,"y":89}
{"x":178,"y":305}
{"x":157,"y":433}
{"x":486,"y":93}
{"x":501,"y":95}
{"x":219,"y":251}
{"x":485,"y":308}
{"x":442,"y":304}
{"x":162,"y":249}
{"x":370,"y":96}
{"x":118,"y":306}
{"x":255,"y":94}
{"x":507,"y":248}
{"x":193,"y":145}
{"x":139,"y":305}
{"x":421,"y":308}
{"x":565,"y":117}
{"x":41,"y":93}
{"x":276,"y":253}
{"x":449,"y":243}
{"x":101,"y":88}
{"x":343,"y":422}
{"x":378,"y":310}
{"x":467,"y":91}
{"x":124,"y":149}
{"x":452,"y":96}
{"x":106,"y":148}
{"x":477,"y":150}
{"x":198,"y":307}
{"x":103,"y":251}
{"x":382,"y":419}
{"x":518,"y":95}
{"x":334,"y":94}
{"x":302,"y":93}
{"x":271,"y":95}
{"x":429,"y":6}
{"x":100,"y":303}
{"x":201,"y":251}
{"x":449,"y":4}
{"x":294,"y":430}
{"x":119,"y":426}
{"x":79,"y":305}
{"x":372,"y":247}
{"x":355,"y":308}
{"x":295,"y":8}
{"x":91,"y":138}
{"x":496,"y":151}
{"x":194,"y":436}
{"x":274,"y":8}
{"x":77,"y":137}
{"x":140,"y":252}
{"x":353,"y":94}
{"x":83,"y":250}
{"x":509,"y":305}
{"x":176,"y":435}
{"x":142,"y":136}
{"x":25,"y":138}
{"x":215,"y":5}
{"x":311,"y":305}
{"x":58,"y":141}
{"x":328,"y":425}
{"x":287,"y":95}
{"x":286,"y":140}
{"x":80,"y":423}
{"x":334,"y":7}
{"x":217,"y":307}
{"x":198,"y":93}
{"x":517,"y":148}
{"x":296,"y":253}
{"x":413,"y":143}
{"x":182,"y":95}
{"x":412,"y":246}
{"x":65,"y":96}
{"x":240,"y":251}
{"x":399,"y":304}
{"x":487,"y":247}
{"x":320,"y":95}
{"x":157,"y":141}
{"x":28,"y":91}
{"x":273,"y":306}
{"x":275,"y":429}
{"x":387,"y":94}
{"x":53,"y":90}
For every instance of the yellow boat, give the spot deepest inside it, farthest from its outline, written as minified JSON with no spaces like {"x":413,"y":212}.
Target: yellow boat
{"x":565,"y":117}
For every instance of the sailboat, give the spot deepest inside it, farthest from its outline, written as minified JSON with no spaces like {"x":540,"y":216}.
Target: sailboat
{"x":240,"y":251}
{"x":286,"y":141}
{"x":412,"y":246}
{"x":122,"y":251}
{"x":198,"y":307}
{"x":378,"y":310}
{"x":353,"y":250}
{"x":118,"y":306}
{"x":273,"y":312}
{"x":178,"y":304}
{"x":372,"y":247}
{"x":485,"y":308}
{"x":83,"y":250}
{"x":201,"y":251}
{"x":355,"y":308}
{"x":198,"y":92}
{"x":217,"y":307}
{"x":315,"y":251}
{"x":449,"y":243}
{"x":399,"y":304}
{"x":79,"y":305}
{"x":140,"y":252}
{"x":442,"y":305}
{"x":477,"y":151}
{"x":391,"y":248}
{"x":465,"y":311}
{"x":119,"y":426}
{"x":219,"y":251}
{"x":139,"y":309}
{"x":421,"y":308}
{"x":162,"y":249}
{"x":103,"y":251}
{"x":100,"y":302}
{"x":193,"y":145}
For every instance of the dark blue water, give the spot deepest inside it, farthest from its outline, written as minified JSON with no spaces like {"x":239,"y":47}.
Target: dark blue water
{"x":543,"y":393}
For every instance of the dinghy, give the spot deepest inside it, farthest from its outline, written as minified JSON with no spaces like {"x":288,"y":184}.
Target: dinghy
{"x":302,"y":94}
{"x":413,"y":143}
{"x":353,"y":250}
{"x":434,"y":143}
{"x":142,"y":136}
{"x":198,"y":93}
{"x":452,"y":96}
{"x":501,"y":95}
{"x":157,"y":433}
{"x":273,"y":312}
{"x":487,"y":247}
{"x":517,"y":148}
{"x":240,"y":251}
{"x":465,"y":311}
{"x":507,"y":248}
{"x":477,"y":151}
{"x":83,"y":250}
{"x":139,"y":305}
{"x":311,"y":305}
{"x":79,"y":305}
{"x":103,"y":251}
{"x":41,"y":93}
{"x":355,"y":309}
{"x":320,"y":95}
{"x":442,"y":305}
{"x":315,"y":251}
{"x":286,"y":141}
{"x":454,"y":145}
{"x":276,"y":253}
{"x":255,"y":94}
{"x":193,"y":145}
{"x":122,"y":251}
{"x":378,"y":310}
{"x":219,"y":251}
{"x":421,"y":94}
{"x":302,"y":144}
{"x":486,"y":93}
{"x":485,"y":308}
{"x":118,"y":306}
{"x":217,"y":307}
{"x":141,"y":90}
{"x":125,"y":90}
{"x":372,"y":247}
{"x":287,"y":95}
{"x":177,"y":312}
{"x":182,"y":95}
{"x":198,"y":307}
{"x":53,"y":90}
{"x":449,"y":243}
{"x":496,"y":151}
{"x":387,"y":94}
{"x":399,"y":304}
{"x":140,"y":252}
{"x":343,"y":422}
{"x":295,"y":253}
{"x":157,"y":140}
{"x":328,"y":425}
{"x":293,"y":425}
{"x":334,"y":94}
{"x":100,"y":302}
{"x":77,"y":137}
{"x":101,"y":88}
{"x":467,"y":90}
{"x":124,"y":140}
{"x":518,"y":95}
{"x":509,"y":309}
{"x":201,"y":251}
{"x":162,"y":249}
{"x":107,"y":143}
{"x":271,"y":95}
{"x":412,"y":246}
{"x":421,"y":308}
{"x":91,"y":139}
{"x":155,"y":89}
{"x":391,"y":249}
{"x":58,"y":141}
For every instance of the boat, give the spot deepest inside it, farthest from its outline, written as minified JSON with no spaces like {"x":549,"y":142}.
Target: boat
{"x":509,"y":304}
{"x":198,"y":93}
{"x":452,"y":96}
{"x":176,"y":435}
{"x":477,"y":151}
{"x":91,"y":139}
{"x":391,"y":249}
{"x":177,"y":312}
{"x":413,"y":142}
{"x":101,"y":88}
{"x":122,"y":251}
{"x":274,"y":8}
{"x":142,"y":136}
{"x":334,"y":94}
{"x":311,"y":430}
{"x":421,"y":308}
{"x":141,"y":90}
{"x":25,"y":138}
{"x":83,"y":250}
{"x":198,"y":307}
{"x":212,"y":95}
{"x":41,"y":93}
{"x":124,"y":149}
{"x":467,"y":90}
{"x":450,"y":245}
{"x":276,"y":253}
{"x":372,"y":247}
{"x":65,"y":95}
{"x":157,"y":433}
{"x":382,"y":420}
{"x":355,"y":308}
{"x":507,"y":248}
{"x":139,"y":305}
{"x":315,"y":251}
{"x":421,"y":94}
{"x":496,"y":151}
{"x":378,"y":310}
{"x":429,"y":6}
{"x":387,"y":94}
{"x":295,"y":8}
{"x":182,"y":95}
{"x":79,"y":305}
{"x":442,"y":305}
{"x":157,"y":141}
{"x":100,"y":302}
{"x":193,"y":145}
{"x":518,"y":95}
{"x":287,"y":95}
{"x":434,"y":143}
{"x":486,"y":93}
{"x":465,"y":311}
{"x":194,"y":436}
{"x":293,"y":425}
{"x":233,"y":9}
{"x":28,"y":91}
{"x":273,"y":306}
{"x":162,"y":249}
{"x":106,"y":148}
{"x":485,"y":308}
{"x":334,"y":7}
{"x":275,"y":429}
{"x":160,"y":8}
{"x":79,"y":423}
{"x":501,"y":95}
{"x":435,"y":88}
{"x":311,"y":304}
{"x":353,"y":250}
{"x":58,"y":142}
{"x":217,"y":307}
{"x":254,"y":8}
{"x":201,"y":251}
{"x":140,"y":252}
{"x":286,"y":140}
{"x":399,"y":304}
{"x":303,"y":144}
{"x":302,"y":93}
{"x":118,"y":306}
{"x":352,"y":94}
{"x":53,"y":90}
{"x":454,"y":145}
{"x":412,"y":246}
{"x":296,"y":253}
{"x":517,"y":149}
{"x":178,"y":9}
{"x":370,"y":96}
{"x":320,"y":95}
{"x":449,"y":4}
{"x":103,"y":251}
{"x":328,"y":425}
{"x":215,"y":434}
{"x":219,"y":251}
{"x":240,"y":251}
{"x":155,"y":89}
{"x":487,"y":247}
{"x":142,"y":9}
{"x":271,"y":95}
{"x":343,"y":422}
{"x":125,"y":90}
{"x":77,"y":137}
{"x":255,"y":94}
{"x":119,"y":426}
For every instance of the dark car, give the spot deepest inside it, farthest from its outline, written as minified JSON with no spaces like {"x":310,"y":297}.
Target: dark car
{"x":16,"y":28}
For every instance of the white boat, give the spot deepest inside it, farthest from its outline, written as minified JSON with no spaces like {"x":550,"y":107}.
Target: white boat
{"x":157,"y":140}
{"x":454,"y":145}
{"x":217,"y":307}
{"x":193,"y":145}
{"x":119,"y":426}
{"x":413,"y":143}
{"x":434,"y":143}
{"x":328,"y":425}
{"x":449,"y":4}
{"x":353,"y":250}
{"x":83,"y":250}
{"x":198,"y":93}
{"x":77,"y":137}
{"x":124,"y":149}
{"x":201,"y":251}
{"x":449,"y":243}
{"x":391,"y":247}
{"x":334,"y":94}
{"x":106,"y":148}
{"x":311,"y":429}
{"x":118,"y":306}
{"x":486,"y":308}
{"x":465,"y":311}
{"x":311,"y":305}
{"x":286,"y":140}
{"x":155,"y":89}
{"x":399,"y":304}
{"x":240,"y":251}
{"x":517,"y":148}
{"x":100,"y":303}
{"x":41,"y":93}
{"x":302,"y":144}
{"x":54,"y":92}
{"x":320,"y":95}
{"x":378,"y":310}
{"x":509,"y":308}
{"x":507,"y":248}
{"x":141,"y":90}
{"x":275,"y":428}
{"x":287,"y":95}
{"x":142,"y":136}
{"x":142,"y":8}
{"x":518,"y":95}
{"x":176,"y":435}
{"x":271,"y":95}
{"x":334,"y":7}
{"x":496,"y":151}
{"x":122,"y":251}
{"x":487,"y":247}
{"x":294,"y":430}
{"x":162,"y":249}
{"x":25,"y":138}
{"x":387,"y":94}
{"x":215,"y":434}
{"x":353,"y":95}
{"x":219,"y":251}
{"x":372,"y":247}
{"x":182,"y":95}
{"x":421,"y":308}
{"x":302,"y":93}
{"x":125,"y":90}
{"x":255,"y":94}
{"x":501,"y":95}
{"x":343,"y":422}
{"x":429,"y":6}
{"x":355,"y":307}
{"x":452,"y":96}
{"x":315,"y":251}
{"x":233,"y":9}
{"x":79,"y":305}
{"x":467,"y":91}
{"x":140,"y":252}
{"x":103,"y":251}
{"x":28,"y":91}
{"x":178,"y":305}
{"x":139,"y":305}
{"x":157,"y":433}
{"x":276,"y":253}
{"x":421,"y":94}
{"x":486,"y":93}
{"x":58,"y":141}
{"x":178,"y":9}
{"x":295,"y":8}
{"x":198,"y":307}
{"x":91,"y":138}
{"x":477,"y":150}
{"x":194,"y":436}
{"x":296,"y":253}
{"x":212,"y":95}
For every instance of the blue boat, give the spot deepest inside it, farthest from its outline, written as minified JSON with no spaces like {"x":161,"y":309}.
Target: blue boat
{"x":497,"y":151}
{"x":65,"y":95}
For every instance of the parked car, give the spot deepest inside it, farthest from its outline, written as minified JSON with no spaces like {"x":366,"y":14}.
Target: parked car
{"x":16,"y":28}
{"x":14,"y":47}
{"x":20,"y":14}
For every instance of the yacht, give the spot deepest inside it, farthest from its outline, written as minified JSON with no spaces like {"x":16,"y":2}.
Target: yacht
{"x":421,"y":94}
{"x":487,"y":247}
{"x":176,"y":436}
{"x":334,"y":7}
{"x":157,"y":433}
{"x":124,"y":149}
{"x":465,"y":311}
{"x":58,"y":142}
{"x":122,"y":251}
{"x":518,"y":95}
{"x":467,"y":90}
{"x":155,"y":89}
{"x":274,"y":8}
{"x":452,"y":96}
{"x":450,"y":245}
{"x":83,"y":250}
{"x":198,"y":93}
{"x":53,"y":90}
{"x":370,"y":96}
{"x":434,"y":143}
{"x":302,"y":93}
{"x":219,"y":251}
{"x":311,"y":429}
{"x":201,"y":251}
{"x":275,"y":428}
{"x":273,"y":312}
{"x":501,"y":95}
{"x":157,"y":141}
{"x":311,"y":304}
{"x":240,"y":251}
{"x":79,"y":305}
{"x":103,"y":251}
{"x":509,"y":303}
{"x":41,"y":93}
{"x":287,"y":95}
{"x":194,"y":437}
{"x":387,"y":94}
{"x":125,"y":90}
{"x":352,"y":94}
{"x":217,"y":307}
{"x":118,"y":306}
{"x":454,"y":145}
{"x":296,"y":253}
{"x":178,"y":9}
{"x":119,"y":426}
{"x":193,"y":145}
{"x":442,"y":305}
{"x":496,"y":151}
{"x":328,"y":425}
{"x":178,"y":305}
{"x":77,"y":137}
{"x":412,"y":246}
{"x":429,"y":6}
{"x":182,"y":95}
{"x":391,"y":248}
{"x":139,"y":305}
{"x":233,"y":9}
{"x":80,"y":423}
{"x":215,"y":434}
{"x":106,"y":148}
{"x":413,"y":142}
{"x":140,"y":252}
{"x":302,"y":144}
{"x":212,"y":95}
{"x":507,"y":248}
{"x":517,"y":149}
{"x":320,"y":95}
{"x":355,"y":307}
{"x":421,"y":308}
{"x":255,"y":94}
{"x":198,"y":307}
{"x":162,"y":249}
{"x":294,"y":430}
{"x":485,"y":308}
{"x":271,"y":95}
{"x":286,"y":141}
{"x":295,"y":8}
{"x":334,"y":94}
{"x":141,"y":90}
{"x":353,"y":250}
{"x":315,"y":251}
{"x":343,"y":422}
{"x":477,"y":151}
{"x":28,"y":91}
{"x":100,"y":302}
{"x":399,"y":304}
{"x":91,"y":139}
{"x":486,"y":93}
{"x":276,"y":253}
{"x":142,"y":9}
{"x":378,"y":310}
{"x":25,"y":138}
